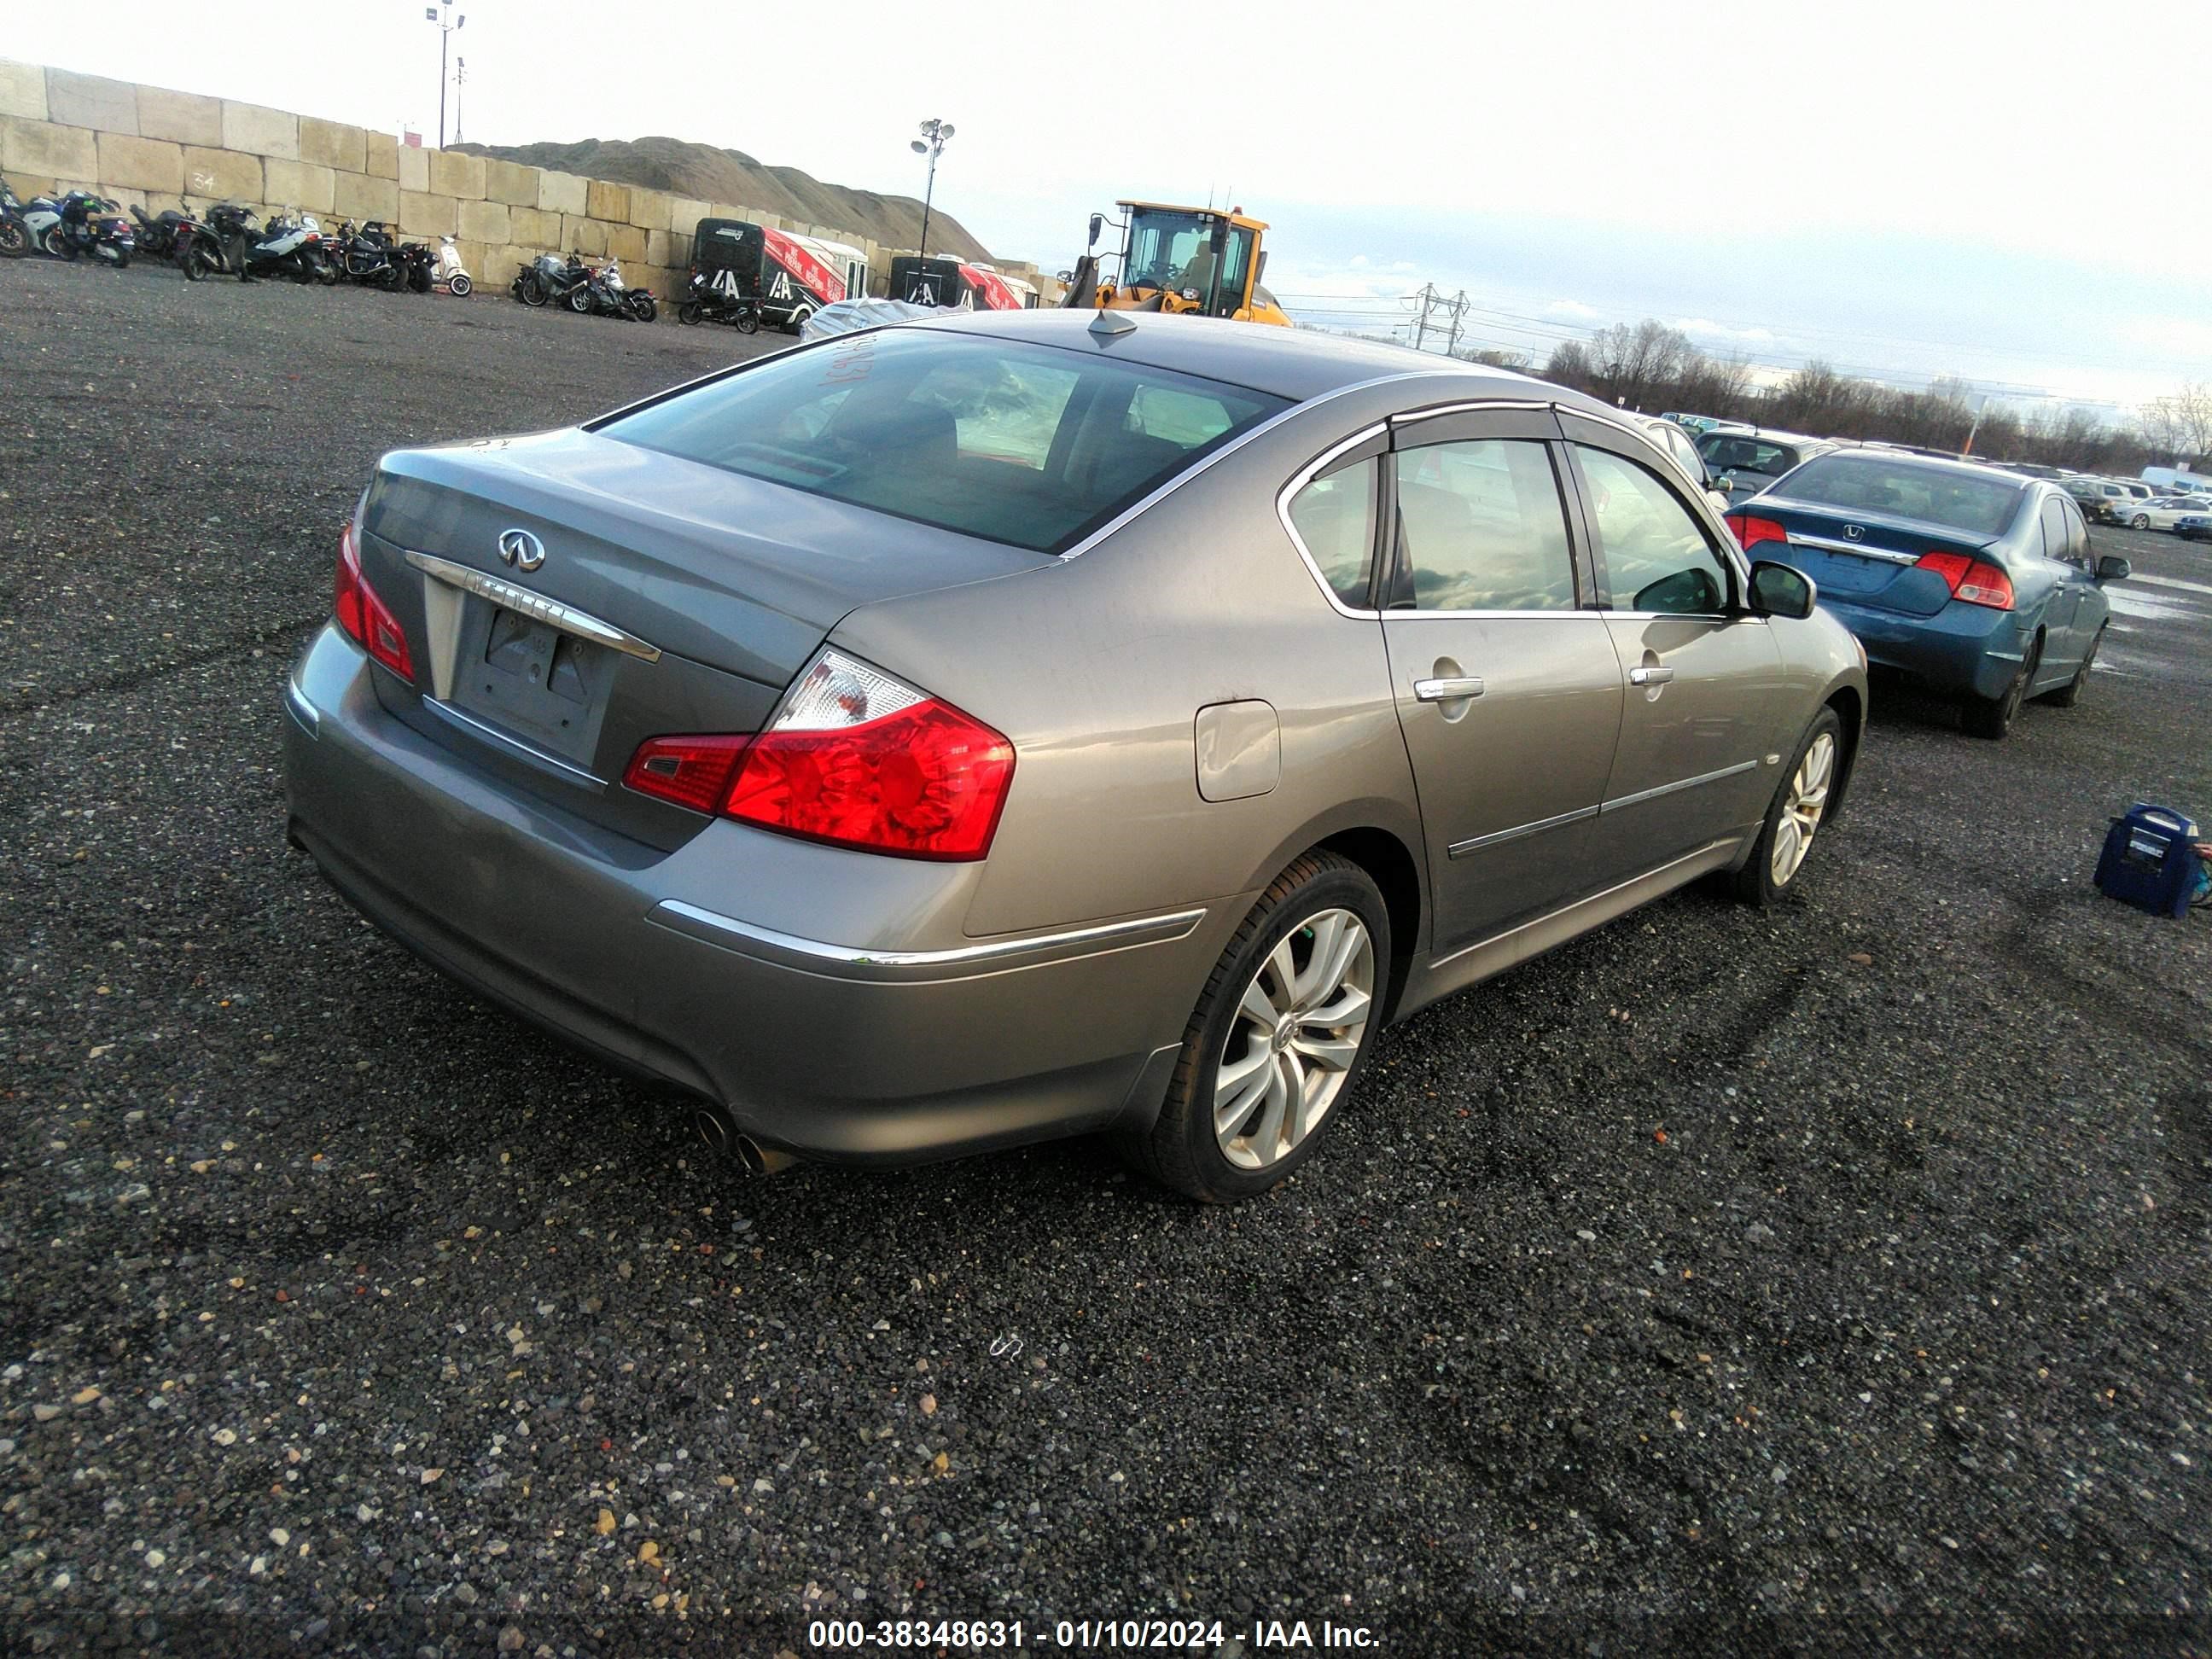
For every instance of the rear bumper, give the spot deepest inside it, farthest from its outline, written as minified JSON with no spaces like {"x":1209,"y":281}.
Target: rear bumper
{"x":1962,"y":647}
{"x":907,"y":1050}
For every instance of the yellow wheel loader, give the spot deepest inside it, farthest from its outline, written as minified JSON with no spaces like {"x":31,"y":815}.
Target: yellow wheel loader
{"x":1201,"y":261}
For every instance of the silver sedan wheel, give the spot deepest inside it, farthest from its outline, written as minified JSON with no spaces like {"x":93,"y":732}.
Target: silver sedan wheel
{"x":1297,"y":1032}
{"x":1801,"y":810}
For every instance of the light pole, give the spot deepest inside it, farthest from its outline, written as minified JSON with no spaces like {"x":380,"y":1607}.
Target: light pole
{"x":460,"y":80}
{"x":438,"y":14}
{"x":935,"y":133}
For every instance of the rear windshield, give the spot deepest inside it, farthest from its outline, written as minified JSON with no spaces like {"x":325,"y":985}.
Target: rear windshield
{"x":1034,"y":446}
{"x":1730,"y":452}
{"x":1933,"y":495}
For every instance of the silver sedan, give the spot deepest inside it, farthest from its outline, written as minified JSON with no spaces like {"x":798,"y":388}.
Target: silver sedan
{"x":989,"y":729}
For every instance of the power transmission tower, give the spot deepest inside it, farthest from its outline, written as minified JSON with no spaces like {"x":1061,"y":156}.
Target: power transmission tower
{"x":1427,"y":296}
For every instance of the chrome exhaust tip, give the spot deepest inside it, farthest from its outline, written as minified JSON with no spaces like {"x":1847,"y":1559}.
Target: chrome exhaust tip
{"x":762,"y":1160}
{"x":721,"y":1137}
{"x":714,"y":1129}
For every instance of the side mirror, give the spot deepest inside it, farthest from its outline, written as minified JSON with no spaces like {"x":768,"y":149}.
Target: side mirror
{"x":1781,"y":590}
{"x":1718,"y":497}
{"x":2114,"y":569}
{"x":1097,"y":225}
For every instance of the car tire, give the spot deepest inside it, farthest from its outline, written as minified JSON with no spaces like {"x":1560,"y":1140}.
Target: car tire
{"x":1321,"y":924}
{"x":1992,"y":717}
{"x":2068,"y":695}
{"x":1794,"y":818}
{"x":2141,"y":521}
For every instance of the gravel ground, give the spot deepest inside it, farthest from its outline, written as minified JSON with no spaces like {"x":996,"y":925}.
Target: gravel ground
{"x":1832,"y":1278}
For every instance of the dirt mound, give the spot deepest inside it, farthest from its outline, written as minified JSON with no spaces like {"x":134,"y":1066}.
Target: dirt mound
{"x":708,"y":174}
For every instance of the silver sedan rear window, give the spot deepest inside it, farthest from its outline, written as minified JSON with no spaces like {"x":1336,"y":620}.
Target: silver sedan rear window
{"x":1034,"y":446}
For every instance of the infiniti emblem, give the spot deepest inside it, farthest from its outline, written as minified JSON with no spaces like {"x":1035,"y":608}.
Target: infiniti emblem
{"x":521,"y":549}
{"x":1854,"y":532}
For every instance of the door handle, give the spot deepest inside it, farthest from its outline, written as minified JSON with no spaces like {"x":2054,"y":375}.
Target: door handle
{"x":1649,"y":675}
{"x":1452,"y":690}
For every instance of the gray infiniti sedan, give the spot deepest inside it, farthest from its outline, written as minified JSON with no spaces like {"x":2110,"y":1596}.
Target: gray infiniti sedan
{"x":1031,"y":724}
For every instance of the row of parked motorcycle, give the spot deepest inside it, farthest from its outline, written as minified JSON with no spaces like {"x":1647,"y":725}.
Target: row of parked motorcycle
{"x":586,"y":289}
{"x":228,"y":241}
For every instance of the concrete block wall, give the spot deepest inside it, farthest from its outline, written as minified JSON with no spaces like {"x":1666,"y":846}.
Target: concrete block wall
{"x":161,"y":148}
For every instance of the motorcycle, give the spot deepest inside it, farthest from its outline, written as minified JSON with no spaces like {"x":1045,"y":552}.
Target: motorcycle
{"x":284,"y":246}
{"x":158,"y":234}
{"x":603,"y":293}
{"x":708,"y":304}
{"x":450,"y":272}
{"x":368,"y":256}
{"x":15,"y":234}
{"x":79,"y":224}
{"x":417,"y":268}
{"x":546,"y":280}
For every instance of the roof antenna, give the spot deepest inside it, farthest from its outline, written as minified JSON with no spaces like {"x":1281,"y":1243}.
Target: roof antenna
{"x":1107,"y":324}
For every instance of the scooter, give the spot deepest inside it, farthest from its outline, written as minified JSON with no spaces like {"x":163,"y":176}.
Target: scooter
{"x":450,"y":273}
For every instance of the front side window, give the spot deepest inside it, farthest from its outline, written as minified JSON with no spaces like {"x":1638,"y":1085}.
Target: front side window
{"x":1656,"y":556}
{"x":1335,"y":516}
{"x":1480,"y":527}
{"x":1033,"y":446}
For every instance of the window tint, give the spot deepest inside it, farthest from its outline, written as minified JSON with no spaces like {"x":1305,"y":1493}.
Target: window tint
{"x":1656,"y":557}
{"x":1481,"y":527}
{"x":1724,"y":452}
{"x":2077,"y":536}
{"x":1931,"y":493}
{"x":2054,"y":529}
{"x":1335,"y":519}
{"x":1029,"y":445}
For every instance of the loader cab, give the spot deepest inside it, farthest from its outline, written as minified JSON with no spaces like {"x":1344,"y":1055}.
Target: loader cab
{"x":1197,"y":260}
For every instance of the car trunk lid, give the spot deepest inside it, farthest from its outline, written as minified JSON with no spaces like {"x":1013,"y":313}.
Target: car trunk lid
{"x":643,"y":595}
{"x":1869,"y":559}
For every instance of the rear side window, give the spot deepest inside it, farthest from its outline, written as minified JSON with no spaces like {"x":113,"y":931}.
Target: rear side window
{"x":1335,"y":516}
{"x":1032,"y":445}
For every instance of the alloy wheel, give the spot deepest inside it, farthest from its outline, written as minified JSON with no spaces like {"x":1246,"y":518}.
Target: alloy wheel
{"x":1296,"y":1034}
{"x":1802,"y":809}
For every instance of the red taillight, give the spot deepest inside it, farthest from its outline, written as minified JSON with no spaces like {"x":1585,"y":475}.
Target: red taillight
{"x":366,"y":617}
{"x":1750,"y":531}
{"x":854,"y":758}
{"x":691,"y":771}
{"x":1974,"y":581}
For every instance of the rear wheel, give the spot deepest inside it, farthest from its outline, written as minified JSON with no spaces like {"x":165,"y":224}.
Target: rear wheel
{"x":747,"y":321}
{"x":580,"y":299}
{"x":2068,"y":695}
{"x":15,"y":239}
{"x":200,"y":263}
{"x":1795,"y":817}
{"x":531,"y":290}
{"x":460,"y":287}
{"x":2141,"y":521}
{"x":1286,"y":1020}
{"x":58,"y":246}
{"x":1992,"y":717}
{"x":645,"y":307}
{"x":690,"y":313}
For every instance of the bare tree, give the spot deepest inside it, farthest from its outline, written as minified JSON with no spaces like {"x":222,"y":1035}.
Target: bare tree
{"x":1635,"y":364}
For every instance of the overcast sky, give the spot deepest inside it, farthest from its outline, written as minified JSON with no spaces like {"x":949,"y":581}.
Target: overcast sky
{"x":1922,"y":188}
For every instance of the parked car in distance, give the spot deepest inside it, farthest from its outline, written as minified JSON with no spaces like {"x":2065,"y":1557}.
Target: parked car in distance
{"x":1681,"y":449}
{"x":1029,"y":723}
{"x":1744,"y":463}
{"x":2105,"y":500}
{"x":2195,"y":526}
{"x":2162,"y":512}
{"x":1971,"y":579}
{"x":1702,"y":423}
